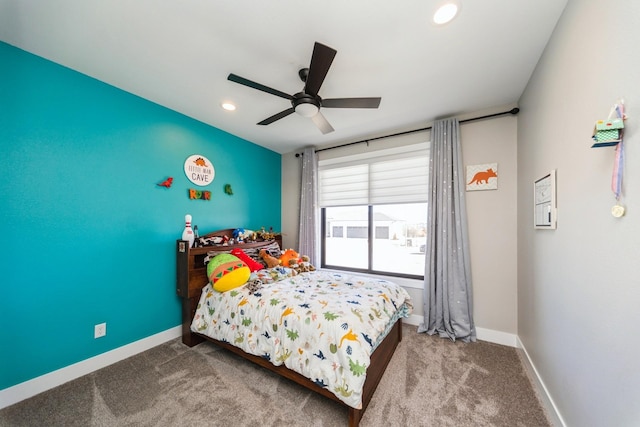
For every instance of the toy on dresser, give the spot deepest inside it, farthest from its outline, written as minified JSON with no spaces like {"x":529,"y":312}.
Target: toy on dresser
{"x":187,"y":234}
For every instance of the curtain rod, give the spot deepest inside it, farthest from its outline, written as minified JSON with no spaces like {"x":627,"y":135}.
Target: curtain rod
{"x":513,"y":111}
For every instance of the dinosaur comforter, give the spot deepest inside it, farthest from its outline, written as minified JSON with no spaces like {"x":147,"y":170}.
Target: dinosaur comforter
{"x":322,"y":325}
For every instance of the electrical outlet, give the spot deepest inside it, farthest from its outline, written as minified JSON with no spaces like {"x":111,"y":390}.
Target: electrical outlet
{"x":100,"y":330}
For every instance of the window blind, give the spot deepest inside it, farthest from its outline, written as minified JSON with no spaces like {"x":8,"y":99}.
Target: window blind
{"x":396,"y":175}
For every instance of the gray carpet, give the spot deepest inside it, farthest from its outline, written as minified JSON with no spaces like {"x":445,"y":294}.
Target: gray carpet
{"x":430,"y":382}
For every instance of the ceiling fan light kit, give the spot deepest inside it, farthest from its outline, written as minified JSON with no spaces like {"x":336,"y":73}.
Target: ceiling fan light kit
{"x":446,"y":12}
{"x":308,"y":103}
{"x":307,"y":108}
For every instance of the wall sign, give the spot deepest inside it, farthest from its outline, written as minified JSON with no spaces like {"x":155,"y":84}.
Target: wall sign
{"x":199,"y":170}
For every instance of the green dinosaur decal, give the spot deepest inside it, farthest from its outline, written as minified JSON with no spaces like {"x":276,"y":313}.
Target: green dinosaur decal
{"x":292,"y":335}
{"x":274,"y":301}
{"x":234,"y":293}
{"x":330,"y":316}
{"x":333,"y":348}
{"x":246,"y":321}
{"x":202,"y":327}
{"x":274,"y":327}
{"x":357,"y":313}
{"x":356,"y":368}
{"x":211,"y":311}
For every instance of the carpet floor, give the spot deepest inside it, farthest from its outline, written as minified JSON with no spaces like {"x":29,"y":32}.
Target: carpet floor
{"x":430,"y":382}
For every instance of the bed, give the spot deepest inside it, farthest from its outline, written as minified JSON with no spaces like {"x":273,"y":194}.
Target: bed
{"x":303,"y":311}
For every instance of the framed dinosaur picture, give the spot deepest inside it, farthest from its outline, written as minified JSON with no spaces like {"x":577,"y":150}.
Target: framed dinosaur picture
{"x":482,"y":177}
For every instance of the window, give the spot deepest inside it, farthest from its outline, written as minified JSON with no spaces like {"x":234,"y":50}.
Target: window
{"x":374,"y":211}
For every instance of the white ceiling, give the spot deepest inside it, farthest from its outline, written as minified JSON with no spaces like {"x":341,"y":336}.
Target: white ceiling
{"x":178,"y":53}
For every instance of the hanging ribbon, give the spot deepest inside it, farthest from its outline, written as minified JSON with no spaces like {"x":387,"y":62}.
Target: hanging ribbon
{"x":616,"y":177}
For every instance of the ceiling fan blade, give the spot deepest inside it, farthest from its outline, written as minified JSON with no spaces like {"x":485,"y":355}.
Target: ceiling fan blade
{"x":351,"y":103}
{"x":321,"y":60}
{"x":278,"y":116}
{"x":322,"y":123}
{"x":254,"y":85}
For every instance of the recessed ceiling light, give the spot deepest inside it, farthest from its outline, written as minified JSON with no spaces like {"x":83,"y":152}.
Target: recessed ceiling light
{"x":445,"y":13}
{"x":228,"y":106}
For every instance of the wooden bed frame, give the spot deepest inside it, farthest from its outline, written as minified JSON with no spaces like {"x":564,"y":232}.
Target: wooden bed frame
{"x":192,"y":277}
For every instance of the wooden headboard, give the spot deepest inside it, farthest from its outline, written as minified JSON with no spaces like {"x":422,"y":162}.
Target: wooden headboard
{"x":191,"y":275}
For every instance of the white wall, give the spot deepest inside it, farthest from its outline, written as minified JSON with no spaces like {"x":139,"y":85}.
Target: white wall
{"x":492,"y":220}
{"x":492,"y":216}
{"x":579,"y":286}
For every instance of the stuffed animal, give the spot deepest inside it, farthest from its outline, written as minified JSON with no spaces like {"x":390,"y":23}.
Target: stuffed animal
{"x":253,"y":286}
{"x":249,"y":236}
{"x":251,"y":263}
{"x":293,"y":264}
{"x":289,"y":255}
{"x":269,"y":259}
{"x":303,"y":265}
{"x":266,"y":235}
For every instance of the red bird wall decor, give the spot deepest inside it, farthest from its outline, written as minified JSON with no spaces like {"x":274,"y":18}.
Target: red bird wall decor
{"x":166,"y":183}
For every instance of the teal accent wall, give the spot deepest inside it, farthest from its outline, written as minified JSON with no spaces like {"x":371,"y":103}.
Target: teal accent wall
{"x":87,"y":235}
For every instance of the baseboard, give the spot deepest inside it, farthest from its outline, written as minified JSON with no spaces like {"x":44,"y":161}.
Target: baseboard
{"x":27,"y":389}
{"x":496,"y":337}
{"x":413,"y":320}
{"x":550,"y":406}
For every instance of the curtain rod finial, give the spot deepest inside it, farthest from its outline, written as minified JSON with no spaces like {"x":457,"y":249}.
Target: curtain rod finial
{"x":515,"y":110}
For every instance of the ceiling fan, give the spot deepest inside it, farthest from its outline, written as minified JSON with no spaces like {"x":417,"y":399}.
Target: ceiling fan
{"x":307,"y":102}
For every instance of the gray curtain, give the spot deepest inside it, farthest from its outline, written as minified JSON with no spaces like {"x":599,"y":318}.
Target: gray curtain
{"x":309,"y":231}
{"x":448,"y":302}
